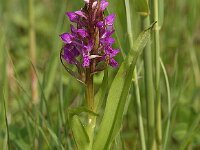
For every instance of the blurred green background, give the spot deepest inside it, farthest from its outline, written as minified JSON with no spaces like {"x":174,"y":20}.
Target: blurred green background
{"x":44,"y":125}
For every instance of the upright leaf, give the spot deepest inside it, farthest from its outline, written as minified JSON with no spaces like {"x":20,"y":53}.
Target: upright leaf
{"x":117,"y":96}
{"x":79,"y":133}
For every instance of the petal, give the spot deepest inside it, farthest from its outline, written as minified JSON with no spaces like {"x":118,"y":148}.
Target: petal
{"x":87,"y":48}
{"x":68,"y":56}
{"x":94,"y":56}
{"x":107,"y":33}
{"x":94,"y":4}
{"x":109,"y":20}
{"x":73,"y":17}
{"x":82,"y":32}
{"x":66,"y":37}
{"x":75,"y":52}
{"x":107,"y":41}
{"x":80,"y":13}
{"x":87,"y":1}
{"x":110,"y":40}
{"x":100,"y":24}
{"x":104,"y":5}
{"x":113,"y":63}
{"x":114,"y":52}
{"x":111,"y":52}
{"x":86,"y":61}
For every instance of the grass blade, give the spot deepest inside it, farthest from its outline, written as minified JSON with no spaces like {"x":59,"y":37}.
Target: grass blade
{"x":6,"y":121}
{"x":169,"y":105}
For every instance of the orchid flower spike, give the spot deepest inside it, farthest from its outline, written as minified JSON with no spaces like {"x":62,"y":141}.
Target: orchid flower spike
{"x":90,"y":41}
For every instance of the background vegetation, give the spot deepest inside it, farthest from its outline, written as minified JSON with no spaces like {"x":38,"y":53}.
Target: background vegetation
{"x":44,"y":125}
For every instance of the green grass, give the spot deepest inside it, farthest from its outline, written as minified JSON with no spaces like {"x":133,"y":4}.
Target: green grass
{"x":46,"y":125}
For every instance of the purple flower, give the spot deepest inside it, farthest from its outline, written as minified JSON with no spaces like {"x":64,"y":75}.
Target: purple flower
{"x":83,"y":33}
{"x":90,"y":41}
{"x":104,"y":4}
{"x":67,"y":38}
{"x":109,"y":20}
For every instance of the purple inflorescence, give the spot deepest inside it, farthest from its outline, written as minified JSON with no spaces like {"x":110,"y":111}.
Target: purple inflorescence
{"x":90,"y":40}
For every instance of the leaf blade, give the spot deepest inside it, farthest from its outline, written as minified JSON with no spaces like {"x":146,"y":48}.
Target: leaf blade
{"x":117,"y":95}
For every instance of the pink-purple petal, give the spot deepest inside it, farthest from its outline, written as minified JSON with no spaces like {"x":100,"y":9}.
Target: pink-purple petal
{"x":81,"y":13}
{"x":104,"y":4}
{"x":86,"y":61}
{"x":113,"y":63}
{"x":109,"y":20}
{"x":82,"y":32}
{"x":73,"y":17}
{"x":66,"y":37}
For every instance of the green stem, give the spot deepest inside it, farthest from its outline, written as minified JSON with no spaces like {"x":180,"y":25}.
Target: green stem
{"x":149,"y":91}
{"x":90,"y":105}
{"x":139,"y":112}
{"x":157,"y":76}
{"x":32,"y":49}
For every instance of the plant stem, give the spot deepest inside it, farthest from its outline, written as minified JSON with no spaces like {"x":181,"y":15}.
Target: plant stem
{"x":149,"y":90}
{"x":32,"y":49}
{"x":139,"y":112}
{"x":90,"y":105}
{"x":137,"y":90}
{"x":157,"y":76}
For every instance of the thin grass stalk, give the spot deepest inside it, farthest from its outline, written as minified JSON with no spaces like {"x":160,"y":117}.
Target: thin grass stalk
{"x":6,"y":121}
{"x":148,"y":76}
{"x":165,"y":140}
{"x":137,"y":90}
{"x":4,"y":86}
{"x":61,"y":109}
{"x":195,"y":65}
{"x":157,"y":79}
{"x":139,"y":112}
{"x":32,"y":51}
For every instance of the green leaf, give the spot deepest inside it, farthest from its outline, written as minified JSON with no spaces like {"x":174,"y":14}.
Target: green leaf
{"x":78,"y":110}
{"x":79,"y":133}
{"x":113,"y":115}
{"x":142,"y":7}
